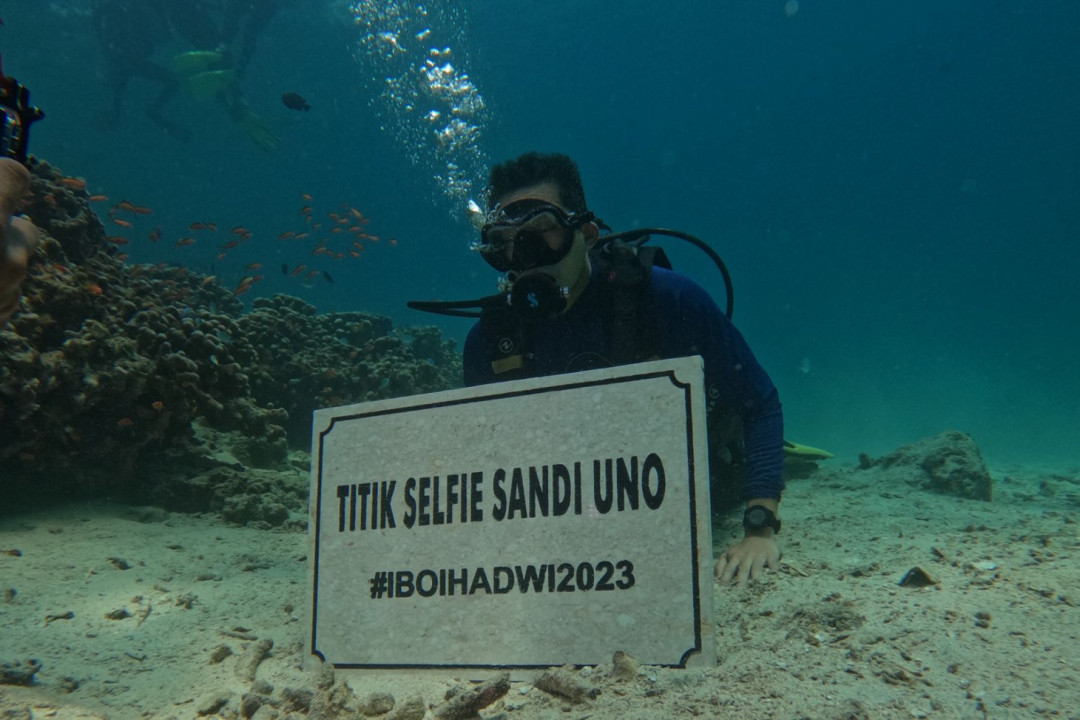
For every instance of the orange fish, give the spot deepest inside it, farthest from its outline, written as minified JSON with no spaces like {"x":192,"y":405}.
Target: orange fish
{"x":300,"y":236}
{"x":241,"y":289}
{"x":305,"y":196}
{"x":211,"y":226}
{"x":313,"y":274}
{"x":257,"y":278}
{"x":306,"y":209}
{"x":117,"y":239}
{"x":356,"y":228}
{"x":230,"y":245}
{"x":221,"y":256}
{"x":239,"y":230}
{"x":316,"y":225}
{"x":184,"y":241}
{"x":121,"y":223}
{"x":358,"y":245}
{"x":157,"y":405}
{"x":73,"y":183}
{"x":298,"y":269}
{"x":286,"y":235}
{"x":207,"y":280}
{"x":124,"y":205}
{"x":356,"y":213}
{"x":393,"y":241}
{"x":333,"y":216}
{"x":197,"y":226}
{"x":125,"y":422}
{"x":246,"y":236}
{"x":336,"y":230}
{"x":355,"y":253}
{"x":98,"y":198}
{"x":155,"y":234}
{"x":253,"y":266}
{"x":141,"y":210}
{"x":95,"y":288}
{"x":122,"y":257}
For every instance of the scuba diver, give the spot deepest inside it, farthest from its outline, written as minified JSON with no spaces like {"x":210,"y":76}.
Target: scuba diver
{"x":129,"y":31}
{"x":224,"y":34}
{"x":573,"y":299}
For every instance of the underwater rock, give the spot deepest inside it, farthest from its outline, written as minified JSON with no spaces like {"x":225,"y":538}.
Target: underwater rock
{"x":19,"y":673}
{"x":917,"y":577}
{"x":220,"y":653}
{"x":411,"y":709}
{"x":211,"y":702}
{"x":336,"y":703}
{"x":376,"y":703}
{"x":463,"y":703}
{"x":243,"y":496}
{"x":624,"y":665}
{"x":248,"y":663}
{"x":562,"y":683}
{"x":948,"y":463}
{"x":250,"y":704}
{"x":298,"y":699}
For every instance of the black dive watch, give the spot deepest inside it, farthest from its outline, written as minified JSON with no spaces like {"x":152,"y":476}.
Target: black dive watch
{"x":757,"y":517}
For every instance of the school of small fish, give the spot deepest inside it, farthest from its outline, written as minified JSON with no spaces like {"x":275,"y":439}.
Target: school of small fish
{"x":337,"y":236}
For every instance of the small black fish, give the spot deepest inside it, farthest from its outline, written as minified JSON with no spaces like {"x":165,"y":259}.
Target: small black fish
{"x":295,"y":102}
{"x":327,"y":276}
{"x":284,"y":269}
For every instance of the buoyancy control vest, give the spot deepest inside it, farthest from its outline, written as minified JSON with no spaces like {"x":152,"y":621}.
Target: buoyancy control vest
{"x":623,"y":272}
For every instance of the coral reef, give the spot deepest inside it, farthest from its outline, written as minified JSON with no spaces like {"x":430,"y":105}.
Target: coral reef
{"x":949,"y":463}
{"x":304,"y":361}
{"x":108,"y":370}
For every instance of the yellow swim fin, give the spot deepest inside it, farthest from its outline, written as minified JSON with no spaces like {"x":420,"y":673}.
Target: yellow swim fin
{"x":191,"y":63}
{"x":256,"y":129}
{"x":805,"y":451}
{"x":210,"y":84}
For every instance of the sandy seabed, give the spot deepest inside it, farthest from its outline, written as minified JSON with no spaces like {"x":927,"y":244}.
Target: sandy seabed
{"x":126,"y":609}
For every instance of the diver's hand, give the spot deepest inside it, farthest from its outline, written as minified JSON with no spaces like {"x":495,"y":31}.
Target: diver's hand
{"x":748,"y":559}
{"x":18,"y":236}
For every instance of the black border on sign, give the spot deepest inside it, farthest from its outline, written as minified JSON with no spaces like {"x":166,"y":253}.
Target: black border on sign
{"x":688,"y":400}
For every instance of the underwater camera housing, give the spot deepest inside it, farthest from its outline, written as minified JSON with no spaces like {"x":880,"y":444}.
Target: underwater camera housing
{"x":16,"y":117}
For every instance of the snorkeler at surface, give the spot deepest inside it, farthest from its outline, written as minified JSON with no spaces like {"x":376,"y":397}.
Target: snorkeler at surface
{"x":223,"y":33}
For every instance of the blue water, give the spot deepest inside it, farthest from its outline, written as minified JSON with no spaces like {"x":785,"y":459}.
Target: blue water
{"x":894,"y":186}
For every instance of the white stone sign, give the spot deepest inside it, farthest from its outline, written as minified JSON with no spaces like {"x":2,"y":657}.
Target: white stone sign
{"x":515,"y":525}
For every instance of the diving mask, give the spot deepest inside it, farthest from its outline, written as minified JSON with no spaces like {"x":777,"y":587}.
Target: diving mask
{"x":527,"y":234}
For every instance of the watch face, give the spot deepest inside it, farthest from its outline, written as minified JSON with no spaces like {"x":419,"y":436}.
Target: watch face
{"x":756,"y":517}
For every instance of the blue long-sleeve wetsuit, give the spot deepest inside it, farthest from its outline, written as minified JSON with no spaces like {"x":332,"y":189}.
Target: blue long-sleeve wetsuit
{"x":690,"y":323}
